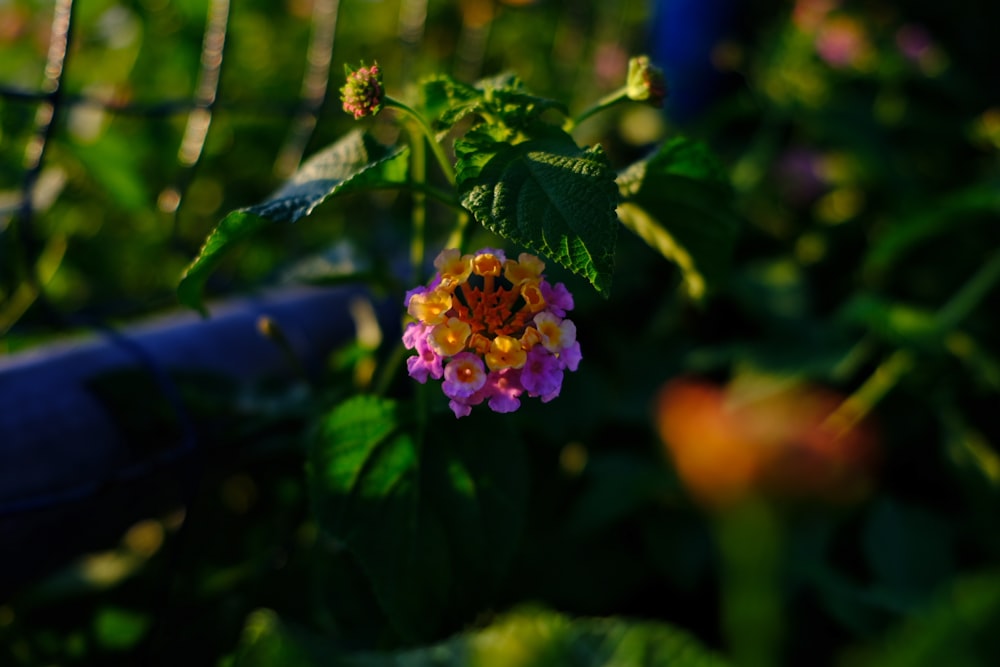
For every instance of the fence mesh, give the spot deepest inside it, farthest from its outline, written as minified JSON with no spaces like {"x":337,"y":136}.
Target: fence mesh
{"x":26,"y":269}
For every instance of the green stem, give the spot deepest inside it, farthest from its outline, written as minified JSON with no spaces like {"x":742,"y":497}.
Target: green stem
{"x":749,"y":539}
{"x":443,"y":161}
{"x":437,"y":194}
{"x":389,"y":366}
{"x":605,"y":102}
{"x":459,"y":235}
{"x":418,"y":176}
{"x":888,"y":373}
{"x":856,"y":406}
{"x":970,"y":294}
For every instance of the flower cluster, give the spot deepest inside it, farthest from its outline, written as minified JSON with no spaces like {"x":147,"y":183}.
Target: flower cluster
{"x":493,"y":329}
{"x":363,"y":94}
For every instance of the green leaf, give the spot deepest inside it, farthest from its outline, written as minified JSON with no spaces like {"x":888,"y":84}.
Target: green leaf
{"x":355,"y":162}
{"x":118,"y":629}
{"x":898,"y":323}
{"x":525,"y":637}
{"x":548,"y":195}
{"x":959,"y":628}
{"x":936,"y":218}
{"x":520,"y":110}
{"x":432,"y":528}
{"x":446,"y":101}
{"x":267,"y":641}
{"x":680,"y":203}
{"x":502,"y":101}
{"x":112,"y":162}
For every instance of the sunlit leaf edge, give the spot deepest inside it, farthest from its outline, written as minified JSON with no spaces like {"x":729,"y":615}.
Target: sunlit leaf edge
{"x":243,"y":223}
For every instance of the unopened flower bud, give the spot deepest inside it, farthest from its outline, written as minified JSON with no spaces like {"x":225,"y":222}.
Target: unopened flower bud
{"x":363,"y":94}
{"x":645,"y":82}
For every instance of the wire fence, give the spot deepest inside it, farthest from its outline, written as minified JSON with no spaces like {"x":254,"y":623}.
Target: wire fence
{"x":18,"y":217}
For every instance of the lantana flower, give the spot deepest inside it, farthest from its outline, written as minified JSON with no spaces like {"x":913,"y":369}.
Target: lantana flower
{"x":492,"y":329}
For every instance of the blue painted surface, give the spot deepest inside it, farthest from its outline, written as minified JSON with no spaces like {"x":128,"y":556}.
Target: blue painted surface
{"x":682,"y":37}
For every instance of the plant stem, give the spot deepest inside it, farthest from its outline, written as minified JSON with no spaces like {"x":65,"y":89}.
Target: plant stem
{"x":888,"y":373}
{"x":969,"y":295}
{"x":421,"y":122}
{"x":749,"y":539}
{"x":387,"y":371}
{"x":458,"y":235}
{"x":418,"y":176}
{"x":605,"y":102}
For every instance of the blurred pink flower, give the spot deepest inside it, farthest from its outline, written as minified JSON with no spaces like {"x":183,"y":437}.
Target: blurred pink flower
{"x":842,"y":42}
{"x":799,"y":174}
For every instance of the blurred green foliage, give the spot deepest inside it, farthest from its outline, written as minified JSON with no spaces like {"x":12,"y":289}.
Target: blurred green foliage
{"x":862,"y":142}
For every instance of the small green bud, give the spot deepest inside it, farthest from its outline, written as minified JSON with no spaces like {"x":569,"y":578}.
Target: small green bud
{"x":645,"y":82}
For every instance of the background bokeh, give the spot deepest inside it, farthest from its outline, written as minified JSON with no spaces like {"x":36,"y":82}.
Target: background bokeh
{"x":862,"y":142}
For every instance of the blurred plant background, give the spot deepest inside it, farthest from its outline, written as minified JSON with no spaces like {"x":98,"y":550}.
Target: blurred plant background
{"x":804,"y":469}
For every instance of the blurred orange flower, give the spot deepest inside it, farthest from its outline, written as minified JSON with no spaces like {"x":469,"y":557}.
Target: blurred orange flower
{"x":762,"y":437}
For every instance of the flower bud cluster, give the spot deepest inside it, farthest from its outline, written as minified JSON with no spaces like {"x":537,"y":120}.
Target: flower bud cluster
{"x":362,"y":94}
{"x":492,"y":329}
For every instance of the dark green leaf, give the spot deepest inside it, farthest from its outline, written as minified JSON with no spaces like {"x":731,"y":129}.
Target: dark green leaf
{"x":501,"y":100}
{"x":898,"y":323}
{"x":680,"y":203}
{"x":354,"y":163}
{"x":551,"y":197}
{"x":267,"y":641}
{"x":118,"y":629}
{"x":909,"y":550}
{"x":364,"y":476}
{"x":958,"y":629}
{"x":476,"y":148}
{"x":433,"y":531}
{"x":539,"y":638}
{"x":526,"y":637}
{"x":938,"y":218}
{"x":446,"y":101}
{"x":519,"y":110}
{"x":618,"y":484}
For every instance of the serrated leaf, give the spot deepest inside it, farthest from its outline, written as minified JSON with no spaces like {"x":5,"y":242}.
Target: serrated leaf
{"x":446,"y":101}
{"x":520,"y":110}
{"x":476,"y":148}
{"x":552,"y":197}
{"x":502,"y":100}
{"x":680,"y":203}
{"x":353,"y":163}
{"x":433,"y":530}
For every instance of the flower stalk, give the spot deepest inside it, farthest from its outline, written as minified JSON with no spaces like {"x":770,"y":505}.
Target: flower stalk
{"x":644,"y":83}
